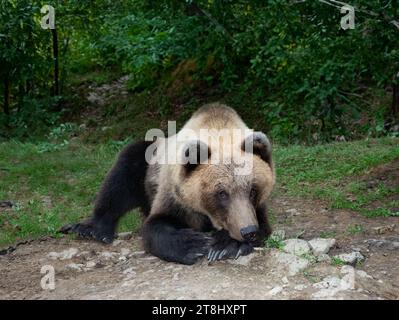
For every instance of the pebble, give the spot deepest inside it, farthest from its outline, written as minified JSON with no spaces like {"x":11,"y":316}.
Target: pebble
{"x":125,"y":252}
{"x":90,"y":264}
{"x":74,"y":267}
{"x":300,"y":287}
{"x":275,"y":290}
{"x":293,"y":212}
{"x":350,"y":258}
{"x":384,"y":229}
{"x":64,"y":255}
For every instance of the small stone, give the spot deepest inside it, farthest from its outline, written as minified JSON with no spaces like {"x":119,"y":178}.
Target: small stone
{"x":129,"y":271}
{"x":296,"y":246}
{"x":300,"y":287}
{"x":117,"y":242}
{"x":350,"y":258}
{"x":74,"y":267}
{"x":363,"y":274}
{"x":176,"y":276}
{"x":348,"y":269}
{"x":384,"y":229}
{"x":64,"y":255}
{"x":293,"y":212}
{"x":90,"y":264}
{"x":321,"y":246}
{"x":125,"y":235}
{"x":383,"y":244}
{"x":328,"y":282}
{"x":125,"y":252}
{"x":275,"y":290}
{"x":284,"y":280}
{"x":107,"y":255}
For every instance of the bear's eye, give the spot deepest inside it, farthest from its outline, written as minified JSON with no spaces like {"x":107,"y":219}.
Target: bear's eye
{"x":253,"y":194}
{"x":223,"y":195}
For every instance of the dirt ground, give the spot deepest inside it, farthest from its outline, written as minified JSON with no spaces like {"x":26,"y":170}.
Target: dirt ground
{"x":89,"y":270}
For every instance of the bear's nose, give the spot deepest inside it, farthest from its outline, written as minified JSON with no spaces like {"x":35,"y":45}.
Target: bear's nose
{"x":249,"y":233}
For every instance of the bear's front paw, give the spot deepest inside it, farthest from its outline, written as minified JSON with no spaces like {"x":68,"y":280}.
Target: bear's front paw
{"x":225,"y":247}
{"x":192,"y":246}
{"x":87,"y":230}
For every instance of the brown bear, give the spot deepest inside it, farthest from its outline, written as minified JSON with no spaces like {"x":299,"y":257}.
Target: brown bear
{"x":202,"y":191}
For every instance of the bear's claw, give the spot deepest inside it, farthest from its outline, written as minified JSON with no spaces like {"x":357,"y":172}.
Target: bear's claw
{"x":87,"y":231}
{"x":225,"y":247}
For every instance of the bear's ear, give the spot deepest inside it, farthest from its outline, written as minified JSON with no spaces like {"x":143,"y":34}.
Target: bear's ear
{"x":195,"y":152}
{"x":259,"y":144}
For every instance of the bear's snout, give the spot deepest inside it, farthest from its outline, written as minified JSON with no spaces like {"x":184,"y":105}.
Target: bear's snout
{"x":249,"y":233}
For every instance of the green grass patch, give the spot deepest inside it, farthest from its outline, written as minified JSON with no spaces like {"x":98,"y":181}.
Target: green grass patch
{"x":51,"y":188}
{"x":330,"y":172}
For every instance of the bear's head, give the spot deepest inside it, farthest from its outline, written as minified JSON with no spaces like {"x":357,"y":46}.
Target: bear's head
{"x":228,"y":196}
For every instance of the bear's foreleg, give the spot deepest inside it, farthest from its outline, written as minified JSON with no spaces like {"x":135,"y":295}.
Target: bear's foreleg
{"x":122,"y":191}
{"x":165,"y":237}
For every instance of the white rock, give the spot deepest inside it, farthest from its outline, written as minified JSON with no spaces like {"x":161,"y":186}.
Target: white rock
{"x":284,"y":280}
{"x":348,"y":269}
{"x":117,"y":242}
{"x":125,"y":252}
{"x":125,"y":235}
{"x":296,"y":246}
{"x":129,"y":271}
{"x":64,"y":255}
{"x":107,"y":255}
{"x":350,"y":258}
{"x":74,"y":267}
{"x":293,"y":212}
{"x":90,"y":264}
{"x":328,"y":282}
{"x":363,"y":274}
{"x":290,"y":262}
{"x":275,"y":290}
{"x":321,"y":246}
{"x":300,"y":287}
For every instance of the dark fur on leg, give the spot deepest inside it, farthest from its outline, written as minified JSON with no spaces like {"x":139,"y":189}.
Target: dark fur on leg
{"x":166,"y":238}
{"x":265,"y":229}
{"x":122,"y":191}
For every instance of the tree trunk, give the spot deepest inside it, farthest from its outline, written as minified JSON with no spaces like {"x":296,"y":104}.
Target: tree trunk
{"x":21,"y":94}
{"x":6,"y":96}
{"x":56,"y":90}
{"x":395,"y":101}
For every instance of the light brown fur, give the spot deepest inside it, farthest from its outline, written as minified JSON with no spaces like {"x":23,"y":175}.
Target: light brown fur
{"x":205,"y":180}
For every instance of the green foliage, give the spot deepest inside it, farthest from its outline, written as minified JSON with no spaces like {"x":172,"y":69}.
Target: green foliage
{"x":287,"y":62}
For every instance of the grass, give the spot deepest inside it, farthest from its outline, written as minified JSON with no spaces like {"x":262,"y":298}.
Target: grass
{"x":355,"y":229}
{"x":51,"y":188}
{"x":53,"y":183}
{"x":331,"y":172}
